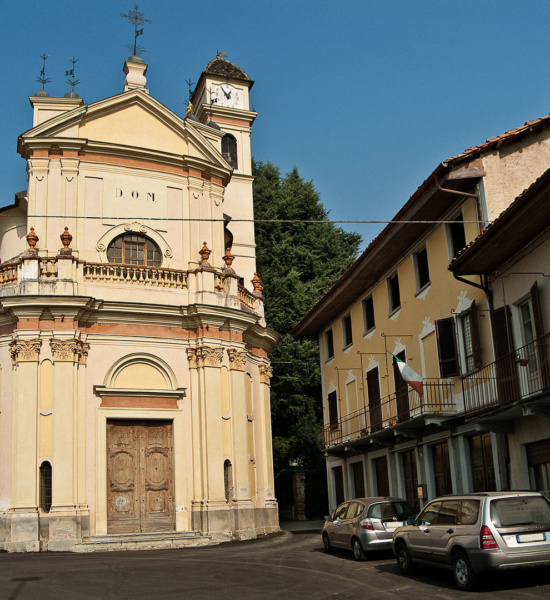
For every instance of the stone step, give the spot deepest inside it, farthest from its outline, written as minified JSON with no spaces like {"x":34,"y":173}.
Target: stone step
{"x":143,"y":541}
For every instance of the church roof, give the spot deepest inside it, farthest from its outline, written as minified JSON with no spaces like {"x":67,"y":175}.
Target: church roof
{"x":221,"y":66}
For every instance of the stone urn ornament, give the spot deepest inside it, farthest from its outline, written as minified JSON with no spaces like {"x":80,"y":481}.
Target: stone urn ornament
{"x":32,"y":239}
{"x":228,"y":258}
{"x":205,"y":254}
{"x":257,"y":283}
{"x":66,"y":239}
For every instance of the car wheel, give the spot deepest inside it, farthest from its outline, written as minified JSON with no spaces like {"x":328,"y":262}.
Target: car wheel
{"x":326,"y":543}
{"x":404,"y":560}
{"x":463,"y":574}
{"x":357,"y":549}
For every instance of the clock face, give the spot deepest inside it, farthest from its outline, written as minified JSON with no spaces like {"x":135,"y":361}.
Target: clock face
{"x":227,"y":95}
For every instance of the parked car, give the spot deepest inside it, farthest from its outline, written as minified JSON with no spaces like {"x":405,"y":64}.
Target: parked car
{"x":475,"y":533}
{"x":365,"y":524}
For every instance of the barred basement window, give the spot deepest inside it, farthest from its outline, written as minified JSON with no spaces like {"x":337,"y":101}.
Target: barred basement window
{"x":46,"y":486}
{"x":228,"y":479}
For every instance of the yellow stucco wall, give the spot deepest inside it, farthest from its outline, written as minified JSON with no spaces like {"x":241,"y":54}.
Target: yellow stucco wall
{"x":410,"y":328}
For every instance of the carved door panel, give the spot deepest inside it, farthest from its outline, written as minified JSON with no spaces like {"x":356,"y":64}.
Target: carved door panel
{"x":157,"y":510}
{"x":139,"y":477}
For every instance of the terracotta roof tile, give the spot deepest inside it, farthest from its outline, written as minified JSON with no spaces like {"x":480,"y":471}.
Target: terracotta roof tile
{"x":507,"y":136}
{"x":221,"y":66}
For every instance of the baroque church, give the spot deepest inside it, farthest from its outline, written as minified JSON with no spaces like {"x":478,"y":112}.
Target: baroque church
{"x":134,"y":381}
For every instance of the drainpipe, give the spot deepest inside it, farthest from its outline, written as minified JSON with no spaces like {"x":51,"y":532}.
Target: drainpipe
{"x":448,"y":191}
{"x":482,"y":286}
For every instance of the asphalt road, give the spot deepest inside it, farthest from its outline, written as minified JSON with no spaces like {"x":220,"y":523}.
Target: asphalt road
{"x":284,"y":566}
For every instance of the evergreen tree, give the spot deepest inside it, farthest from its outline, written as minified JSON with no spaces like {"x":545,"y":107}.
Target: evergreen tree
{"x":297,"y":262}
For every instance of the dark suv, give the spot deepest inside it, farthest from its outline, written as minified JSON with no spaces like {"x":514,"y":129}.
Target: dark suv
{"x":474,"y":533}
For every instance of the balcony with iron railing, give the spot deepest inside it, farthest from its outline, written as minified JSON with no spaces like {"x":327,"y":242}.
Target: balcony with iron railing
{"x":521,"y":376}
{"x":403,"y":410}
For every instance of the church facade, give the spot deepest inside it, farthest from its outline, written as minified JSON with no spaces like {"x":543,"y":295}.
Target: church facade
{"x":134,"y":407}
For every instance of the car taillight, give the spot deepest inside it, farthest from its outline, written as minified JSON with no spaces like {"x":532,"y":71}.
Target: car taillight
{"x":486,"y":539}
{"x":367,"y":524}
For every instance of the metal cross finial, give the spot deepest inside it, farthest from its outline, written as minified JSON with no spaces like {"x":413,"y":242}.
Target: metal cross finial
{"x":43,"y":79}
{"x":137,"y":18}
{"x":70,"y":74}
{"x":190,"y":84}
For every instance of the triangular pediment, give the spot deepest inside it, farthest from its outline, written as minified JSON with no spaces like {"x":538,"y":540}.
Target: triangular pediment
{"x":135,"y":120}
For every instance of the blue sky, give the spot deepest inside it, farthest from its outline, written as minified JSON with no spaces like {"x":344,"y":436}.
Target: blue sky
{"x":364,"y":97}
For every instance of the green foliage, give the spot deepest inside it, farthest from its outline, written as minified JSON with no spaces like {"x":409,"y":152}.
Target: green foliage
{"x":297,"y":261}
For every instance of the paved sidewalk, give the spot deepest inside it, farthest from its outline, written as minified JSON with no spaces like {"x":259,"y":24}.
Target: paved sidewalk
{"x":302,"y":526}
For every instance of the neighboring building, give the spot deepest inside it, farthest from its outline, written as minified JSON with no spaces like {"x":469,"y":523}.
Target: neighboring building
{"x":380,"y":436}
{"x":512,"y":256}
{"x":134,"y":403}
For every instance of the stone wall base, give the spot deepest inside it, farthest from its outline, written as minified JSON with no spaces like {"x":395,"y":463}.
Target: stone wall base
{"x":34,"y":532}
{"x":58,"y":532}
{"x":225,"y":524}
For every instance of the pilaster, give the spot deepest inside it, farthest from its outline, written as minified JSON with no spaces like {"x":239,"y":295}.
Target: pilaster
{"x":267,"y":488}
{"x":237,"y":361}
{"x":23,"y":522}
{"x":67,"y":355}
{"x":206,"y":392}
{"x":38,"y":169}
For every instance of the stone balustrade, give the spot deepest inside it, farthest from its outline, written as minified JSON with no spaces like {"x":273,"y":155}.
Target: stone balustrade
{"x":50,"y":269}
{"x":248,"y":299}
{"x":8,"y":274}
{"x":134,"y":275}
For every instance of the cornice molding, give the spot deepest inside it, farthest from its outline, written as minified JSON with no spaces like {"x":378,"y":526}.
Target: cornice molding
{"x":106,"y":392}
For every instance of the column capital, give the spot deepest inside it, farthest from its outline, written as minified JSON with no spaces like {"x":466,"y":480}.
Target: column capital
{"x":69,"y":350}
{"x":25,"y":350}
{"x":204,"y":356}
{"x":237,"y":358}
{"x":266,"y":373}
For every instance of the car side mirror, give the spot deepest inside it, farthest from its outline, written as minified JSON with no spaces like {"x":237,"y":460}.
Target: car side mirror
{"x":328,"y":518}
{"x":411,"y":520}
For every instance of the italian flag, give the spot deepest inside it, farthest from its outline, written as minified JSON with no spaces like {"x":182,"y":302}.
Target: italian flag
{"x":410,"y":376}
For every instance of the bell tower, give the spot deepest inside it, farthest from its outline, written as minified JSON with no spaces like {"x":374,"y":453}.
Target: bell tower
{"x":221,"y":101}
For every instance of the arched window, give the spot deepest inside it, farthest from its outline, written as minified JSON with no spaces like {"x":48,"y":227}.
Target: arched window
{"x":46,"y":486}
{"x":132,"y":249}
{"x":229,"y":150}
{"x":228,"y":479}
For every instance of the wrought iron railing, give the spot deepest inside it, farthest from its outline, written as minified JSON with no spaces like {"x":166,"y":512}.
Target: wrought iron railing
{"x":396,"y":409}
{"x":520,"y":375}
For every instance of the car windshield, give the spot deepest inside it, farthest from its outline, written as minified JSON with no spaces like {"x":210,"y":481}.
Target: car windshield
{"x":390,"y":510}
{"x":530,"y":510}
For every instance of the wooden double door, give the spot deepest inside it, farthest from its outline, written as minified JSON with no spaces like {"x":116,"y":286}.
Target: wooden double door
{"x":140,"y":479}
